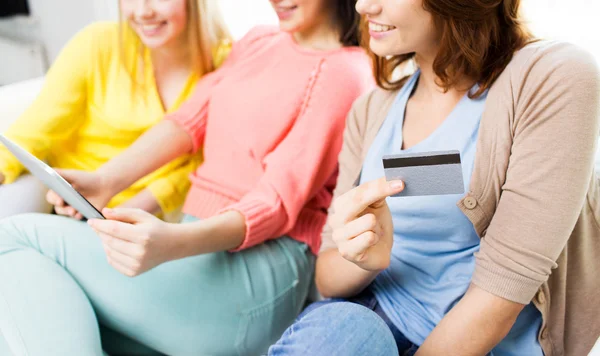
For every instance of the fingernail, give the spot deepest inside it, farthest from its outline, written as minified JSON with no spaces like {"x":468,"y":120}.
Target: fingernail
{"x":90,"y":222}
{"x":396,"y":184}
{"x":108,"y":210}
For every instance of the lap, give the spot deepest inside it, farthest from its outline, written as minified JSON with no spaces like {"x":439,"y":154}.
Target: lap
{"x":201,"y":304}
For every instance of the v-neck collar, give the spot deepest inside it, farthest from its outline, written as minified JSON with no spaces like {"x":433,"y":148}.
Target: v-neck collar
{"x":399,"y":112}
{"x":150,"y":79}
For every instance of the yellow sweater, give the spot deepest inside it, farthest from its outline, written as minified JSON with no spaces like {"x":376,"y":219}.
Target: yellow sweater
{"x":89,"y":111}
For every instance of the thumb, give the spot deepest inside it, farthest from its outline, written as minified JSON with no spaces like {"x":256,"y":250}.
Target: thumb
{"x":126,"y":215}
{"x":70,"y":175}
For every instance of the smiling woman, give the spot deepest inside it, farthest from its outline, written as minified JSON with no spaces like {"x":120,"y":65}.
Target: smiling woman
{"x":425,"y":275}
{"x":233,"y":276}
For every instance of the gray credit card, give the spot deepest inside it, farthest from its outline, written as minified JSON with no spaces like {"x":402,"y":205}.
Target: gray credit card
{"x":426,"y":173}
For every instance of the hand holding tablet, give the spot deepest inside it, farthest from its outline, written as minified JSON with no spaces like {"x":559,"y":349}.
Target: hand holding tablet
{"x":52,"y":180}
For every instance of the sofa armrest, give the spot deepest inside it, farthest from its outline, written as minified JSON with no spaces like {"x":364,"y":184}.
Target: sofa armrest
{"x":15,"y":98}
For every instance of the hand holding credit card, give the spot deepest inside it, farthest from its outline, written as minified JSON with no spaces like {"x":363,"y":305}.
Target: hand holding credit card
{"x":426,"y":173}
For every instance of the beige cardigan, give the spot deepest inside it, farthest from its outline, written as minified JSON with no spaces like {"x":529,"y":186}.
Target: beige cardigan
{"x":534,"y":199}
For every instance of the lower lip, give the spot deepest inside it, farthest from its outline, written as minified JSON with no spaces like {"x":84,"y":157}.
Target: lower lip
{"x":285,"y":14}
{"x":379,"y":35}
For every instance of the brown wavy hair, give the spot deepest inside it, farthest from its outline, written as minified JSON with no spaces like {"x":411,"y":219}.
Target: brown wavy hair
{"x":478,"y":40}
{"x":348,"y":21}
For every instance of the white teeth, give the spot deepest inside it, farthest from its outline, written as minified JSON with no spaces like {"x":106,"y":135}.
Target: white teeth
{"x":150,"y":27}
{"x":284,"y":9}
{"x":380,"y":28}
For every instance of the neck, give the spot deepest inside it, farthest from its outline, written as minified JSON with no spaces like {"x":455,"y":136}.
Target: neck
{"x":428,"y":80}
{"x":171,"y":56}
{"x":322,"y":37}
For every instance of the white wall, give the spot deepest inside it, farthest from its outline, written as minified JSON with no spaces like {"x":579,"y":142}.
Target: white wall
{"x":59,"y":20}
{"x":29,"y":44}
{"x":242,"y":15}
{"x":54,"y":22}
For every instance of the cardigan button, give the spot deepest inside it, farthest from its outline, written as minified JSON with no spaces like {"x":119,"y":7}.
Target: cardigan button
{"x":470,"y":203}
{"x":541,"y":298}
{"x":544,"y":333}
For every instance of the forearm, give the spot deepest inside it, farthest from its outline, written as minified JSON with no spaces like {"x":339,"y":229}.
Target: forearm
{"x":156,"y":147}
{"x":219,"y":233}
{"x":337,"y":277}
{"x":473,"y":327}
{"x":143,"y":200}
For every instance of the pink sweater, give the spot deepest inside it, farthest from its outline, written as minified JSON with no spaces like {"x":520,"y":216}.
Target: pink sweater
{"x":270,"y":123}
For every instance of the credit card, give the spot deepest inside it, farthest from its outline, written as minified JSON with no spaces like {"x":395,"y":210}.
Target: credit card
{"x":426,"y":173}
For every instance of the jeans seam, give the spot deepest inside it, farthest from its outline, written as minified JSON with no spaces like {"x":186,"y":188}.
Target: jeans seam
{"x":260,"y":309}
{"x":11,"y":317}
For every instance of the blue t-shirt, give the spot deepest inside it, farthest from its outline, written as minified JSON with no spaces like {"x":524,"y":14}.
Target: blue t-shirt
{"x":432,"y":256}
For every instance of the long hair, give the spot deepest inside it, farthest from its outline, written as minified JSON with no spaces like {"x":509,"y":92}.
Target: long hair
{"x":478,"y":40}
{"x":348,"y":21}
{"x":206,"y":30}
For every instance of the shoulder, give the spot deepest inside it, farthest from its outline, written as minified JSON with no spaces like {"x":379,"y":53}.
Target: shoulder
{"x":348,"y":67}
{"x":349,"y":60}
{"x":91,"y":46}
{"x":553,"y":62}
{"x":98,"y":33}
{"x":372,"y":106}
{"x":96,"y":41}
{"x":258,"y":34}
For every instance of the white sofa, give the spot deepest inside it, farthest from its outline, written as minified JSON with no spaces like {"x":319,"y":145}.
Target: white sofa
{"x":15,"y":98}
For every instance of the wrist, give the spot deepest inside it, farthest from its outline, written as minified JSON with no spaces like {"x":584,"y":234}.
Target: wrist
{"x":110,"y":182}
{"x":182,"y":244}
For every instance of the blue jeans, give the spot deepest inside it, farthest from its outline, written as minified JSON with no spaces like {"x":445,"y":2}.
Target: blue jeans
{"x":59,"y":296}
{"x":356,"y":326}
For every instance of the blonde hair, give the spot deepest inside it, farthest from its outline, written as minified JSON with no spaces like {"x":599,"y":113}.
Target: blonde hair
{"x":205,"y":32}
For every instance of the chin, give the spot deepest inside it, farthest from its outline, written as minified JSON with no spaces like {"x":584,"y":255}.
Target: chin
{"x":381,"y":51}
{"x":385,"y":50}
{"x":286,"y":26}
{"x":153,"y":44}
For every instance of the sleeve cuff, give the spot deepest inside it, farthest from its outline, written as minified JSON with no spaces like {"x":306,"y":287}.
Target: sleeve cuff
{"x":504,"y":283}
{"x":194,"y":128}
{"x":262,"y":221}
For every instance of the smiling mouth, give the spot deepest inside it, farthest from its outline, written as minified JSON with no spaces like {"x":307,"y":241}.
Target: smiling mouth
{"x":281,"y":9}
{"x":150,"y":29}
{"x":375,"y":27}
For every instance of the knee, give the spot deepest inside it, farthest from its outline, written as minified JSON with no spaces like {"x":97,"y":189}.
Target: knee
{"x":341,"y":328}
{"x":14,"y":228}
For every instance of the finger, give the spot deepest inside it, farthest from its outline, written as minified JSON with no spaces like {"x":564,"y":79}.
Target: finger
{"x":124,"y":259}
{"x":117,"y":229}
{"x":371,"y":194}
{"x":65,"y":211}
{"x":367,"y":222}
{"x":70,"y":175}
{"x":354,"y":250}
{"x":54,"y":199}
{"x":127,"y":215}
{"x":120,"y":267}
{"x":121,"y":246}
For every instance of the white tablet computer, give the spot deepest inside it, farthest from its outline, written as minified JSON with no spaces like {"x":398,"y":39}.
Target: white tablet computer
{"x":52,"y":180}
